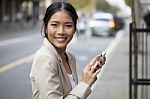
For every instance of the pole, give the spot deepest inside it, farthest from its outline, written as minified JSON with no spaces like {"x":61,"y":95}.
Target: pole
{"x":135,"y":49}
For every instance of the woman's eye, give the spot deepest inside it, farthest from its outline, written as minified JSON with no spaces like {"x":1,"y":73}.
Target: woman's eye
{"x":54,"y":25}
{"x":69,"y":26}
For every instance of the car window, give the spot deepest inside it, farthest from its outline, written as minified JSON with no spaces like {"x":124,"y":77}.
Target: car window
{"x":102,"y":16}
{"x":98,"y":19}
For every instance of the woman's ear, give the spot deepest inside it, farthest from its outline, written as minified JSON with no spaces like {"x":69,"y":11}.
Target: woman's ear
{"x":45,"y":30}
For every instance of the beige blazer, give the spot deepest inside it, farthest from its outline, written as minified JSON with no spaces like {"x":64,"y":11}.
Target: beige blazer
{"x":49,"y":79}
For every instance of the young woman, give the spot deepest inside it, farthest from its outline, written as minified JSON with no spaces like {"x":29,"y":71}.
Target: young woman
{"x":53,"y":73}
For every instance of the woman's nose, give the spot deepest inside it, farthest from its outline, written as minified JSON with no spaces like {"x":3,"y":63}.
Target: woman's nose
{"x":61,"y":30}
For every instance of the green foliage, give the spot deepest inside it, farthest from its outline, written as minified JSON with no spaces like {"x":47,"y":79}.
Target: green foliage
{"x":98,"y":4}
{"x":79,"y":3}
{"x":105,"y":6}
{"x":128,"y":2}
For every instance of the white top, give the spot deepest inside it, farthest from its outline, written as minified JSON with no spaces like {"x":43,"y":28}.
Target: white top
{"x":71,"y":80}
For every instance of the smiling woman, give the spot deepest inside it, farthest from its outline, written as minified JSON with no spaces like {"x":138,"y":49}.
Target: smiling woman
{"x":53,"y":73}
{"x":60,"y":29}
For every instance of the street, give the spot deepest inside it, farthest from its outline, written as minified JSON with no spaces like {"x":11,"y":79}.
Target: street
{"x":15,"y":61}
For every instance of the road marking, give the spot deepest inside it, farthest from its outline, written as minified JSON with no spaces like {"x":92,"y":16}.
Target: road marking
{"x":111,"y":48}
{"x":29,"y":58}
{"x":114,"y":43}
{"x":109,"y":51}
{"x":16,"y":63}
{"x":18,"y":40}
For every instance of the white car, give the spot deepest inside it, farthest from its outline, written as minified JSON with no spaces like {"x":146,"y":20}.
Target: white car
{"x":102,"y":24}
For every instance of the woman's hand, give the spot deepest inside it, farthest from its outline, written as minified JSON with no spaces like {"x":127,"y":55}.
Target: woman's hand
{"x":90,"y":72}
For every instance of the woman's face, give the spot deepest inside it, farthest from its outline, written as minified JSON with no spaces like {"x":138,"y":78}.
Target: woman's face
{"x":60,"y":29}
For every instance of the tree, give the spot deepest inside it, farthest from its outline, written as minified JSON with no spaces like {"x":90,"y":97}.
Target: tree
{"x":79,"y":3}
{"x":106,"y":7}
{"x":128,"y":2}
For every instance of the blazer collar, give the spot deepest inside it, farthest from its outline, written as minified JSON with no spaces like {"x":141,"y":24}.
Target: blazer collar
{"x":52,"y":48}
{"x":70,"y":59}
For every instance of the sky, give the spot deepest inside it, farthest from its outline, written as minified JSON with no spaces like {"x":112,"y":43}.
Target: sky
{"x":119,"y":3}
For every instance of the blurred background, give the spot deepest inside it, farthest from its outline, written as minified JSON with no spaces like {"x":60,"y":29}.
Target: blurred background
{"x":29,"y":12}
{"x":119,"y":27}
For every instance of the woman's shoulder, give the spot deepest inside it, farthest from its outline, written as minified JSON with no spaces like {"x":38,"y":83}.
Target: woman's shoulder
{"x":44,"y":53}
{"x":44,"y":59}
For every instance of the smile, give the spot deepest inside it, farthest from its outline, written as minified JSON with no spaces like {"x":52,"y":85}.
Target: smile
{"x":60,"y":39}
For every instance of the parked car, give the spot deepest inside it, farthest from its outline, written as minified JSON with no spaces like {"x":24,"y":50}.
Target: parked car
{"x":82,"y":24}
{"x":102,"y":24}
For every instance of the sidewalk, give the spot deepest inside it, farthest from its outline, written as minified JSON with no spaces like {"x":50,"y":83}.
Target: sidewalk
{"x":113,"y":83}
{"x":114,"y":80}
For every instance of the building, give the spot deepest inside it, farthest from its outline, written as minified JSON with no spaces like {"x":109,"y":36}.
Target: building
{"x":22,"y":10}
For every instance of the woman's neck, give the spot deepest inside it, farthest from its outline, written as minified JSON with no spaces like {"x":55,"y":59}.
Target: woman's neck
{"x":64,"y":58}
{"x":62,"y":53}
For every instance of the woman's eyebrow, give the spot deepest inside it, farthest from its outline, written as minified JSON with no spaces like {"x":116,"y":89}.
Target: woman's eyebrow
{"x":59,"y":22}
{"x":54,"y":22}
{"x":68,"y":22}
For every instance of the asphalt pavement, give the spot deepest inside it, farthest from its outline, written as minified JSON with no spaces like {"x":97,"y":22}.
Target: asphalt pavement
{"x":112,"y":83}
{"x":15,"y":30}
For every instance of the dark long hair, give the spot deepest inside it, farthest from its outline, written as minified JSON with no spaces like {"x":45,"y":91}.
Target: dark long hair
{"x":58,"y":6}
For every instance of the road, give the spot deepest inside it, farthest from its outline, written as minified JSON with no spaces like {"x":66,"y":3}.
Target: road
{"x":16,"y":59}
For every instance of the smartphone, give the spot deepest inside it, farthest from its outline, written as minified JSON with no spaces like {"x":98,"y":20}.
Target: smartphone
{"x":97,"y":65}
{"x":103,"y":53}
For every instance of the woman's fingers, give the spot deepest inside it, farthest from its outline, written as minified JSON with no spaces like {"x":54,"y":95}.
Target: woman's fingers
{"x":96,"y":66}
{"x":93,"y":61}
{"x":92,"y":69}
{"x":97,"y":72}
{"x":96,"y":63}
{"x":102,"y":60}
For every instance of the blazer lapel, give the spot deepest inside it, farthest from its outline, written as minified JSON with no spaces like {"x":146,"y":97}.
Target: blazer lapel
{"x":51,"y":47}
{"x":65,"y":76}
{"x":72,"y":66}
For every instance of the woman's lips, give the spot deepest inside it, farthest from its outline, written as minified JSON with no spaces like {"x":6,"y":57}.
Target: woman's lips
{"x":60,"y":39}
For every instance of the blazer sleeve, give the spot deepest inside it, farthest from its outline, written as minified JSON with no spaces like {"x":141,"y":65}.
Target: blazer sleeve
{"x":48,"y":81}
